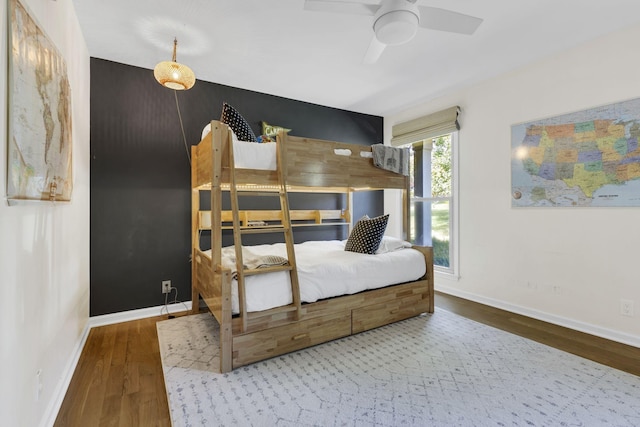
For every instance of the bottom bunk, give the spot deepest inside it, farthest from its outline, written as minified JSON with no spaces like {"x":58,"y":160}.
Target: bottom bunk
{"x":279,"y":330}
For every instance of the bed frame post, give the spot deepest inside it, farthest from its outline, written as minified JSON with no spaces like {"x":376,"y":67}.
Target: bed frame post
{"x":226,"y":331}
{"x":428,"y":256}
{"x":406,"y":210}
{"x":221,"y":137}
{"x":349,"y":211}
{"x":427,"y":252}
{"x":195,"y":240}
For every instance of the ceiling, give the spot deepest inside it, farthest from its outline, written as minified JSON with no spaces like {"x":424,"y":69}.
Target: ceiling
{"x":276,"y":47}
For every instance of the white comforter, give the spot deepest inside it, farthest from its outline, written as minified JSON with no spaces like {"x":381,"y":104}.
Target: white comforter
{"x":326,"y":270}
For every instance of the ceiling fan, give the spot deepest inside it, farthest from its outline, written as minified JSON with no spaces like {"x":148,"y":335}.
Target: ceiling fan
{"x":396,"y":21}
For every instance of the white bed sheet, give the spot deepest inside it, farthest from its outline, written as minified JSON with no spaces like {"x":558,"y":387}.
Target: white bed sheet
{"x":325,"y":270}
{"x":251,"y":155}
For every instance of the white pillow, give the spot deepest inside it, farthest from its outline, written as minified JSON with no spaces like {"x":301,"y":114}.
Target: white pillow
{"x":206,"y":130}
{"x":390,"y":244}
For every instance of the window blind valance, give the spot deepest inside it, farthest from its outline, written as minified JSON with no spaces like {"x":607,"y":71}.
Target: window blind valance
{"x":430,"y":126}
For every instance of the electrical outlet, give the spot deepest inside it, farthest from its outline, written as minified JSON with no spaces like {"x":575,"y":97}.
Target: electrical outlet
{"x":626,"y":307}
{"x":166,"y":286}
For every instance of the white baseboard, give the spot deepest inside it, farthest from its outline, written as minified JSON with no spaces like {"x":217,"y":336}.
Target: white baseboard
{"x":60,"y":392}
{"x":142,"y":313}
{"x":587,"y":328}
{"x":51,"y":413}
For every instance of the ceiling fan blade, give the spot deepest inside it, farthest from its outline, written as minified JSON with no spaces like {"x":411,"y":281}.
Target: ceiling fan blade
{"x":334,"y":6}
{"x":374,"y":51}
{"x":435,"y":18}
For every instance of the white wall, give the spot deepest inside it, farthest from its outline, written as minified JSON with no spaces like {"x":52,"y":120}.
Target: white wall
{"x":591,"y":253}
{"x":44,"y":250}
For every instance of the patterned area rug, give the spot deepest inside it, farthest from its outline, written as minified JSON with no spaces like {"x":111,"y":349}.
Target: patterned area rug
{"x":437,"y":370}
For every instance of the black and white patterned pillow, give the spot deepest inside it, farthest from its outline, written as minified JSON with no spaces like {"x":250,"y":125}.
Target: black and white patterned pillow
{"x":367,"y":234}
{"x":237,"y":123}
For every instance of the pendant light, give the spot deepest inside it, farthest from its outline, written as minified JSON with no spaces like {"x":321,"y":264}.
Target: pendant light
{"x":174,"y":75}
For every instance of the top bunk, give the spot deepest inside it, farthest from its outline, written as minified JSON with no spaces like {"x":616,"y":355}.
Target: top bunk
{"x":309,"y":165}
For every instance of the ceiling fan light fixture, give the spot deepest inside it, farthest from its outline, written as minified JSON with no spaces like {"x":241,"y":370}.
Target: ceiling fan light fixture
{"x":174,"y":75}
{"x":396,"y":27}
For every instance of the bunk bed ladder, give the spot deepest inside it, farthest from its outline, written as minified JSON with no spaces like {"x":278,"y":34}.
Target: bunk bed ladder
{"x":284,"y":227}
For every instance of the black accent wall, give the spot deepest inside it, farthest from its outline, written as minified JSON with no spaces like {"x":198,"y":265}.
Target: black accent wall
{"x":140,"y":176}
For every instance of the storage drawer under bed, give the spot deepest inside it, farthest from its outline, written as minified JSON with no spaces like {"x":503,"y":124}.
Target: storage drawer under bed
{"x":373,"y":316}
{"x":260,"y":345}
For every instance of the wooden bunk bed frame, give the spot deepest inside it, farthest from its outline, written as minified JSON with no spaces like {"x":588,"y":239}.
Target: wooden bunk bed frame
{"x":308,"y":165}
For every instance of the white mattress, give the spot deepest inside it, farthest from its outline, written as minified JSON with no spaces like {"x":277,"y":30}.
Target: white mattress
{"x":325,"y":270}
{"x":251,"y":155}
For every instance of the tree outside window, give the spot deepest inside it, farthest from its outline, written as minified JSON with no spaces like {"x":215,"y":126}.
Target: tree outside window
{"x":431,"y":195}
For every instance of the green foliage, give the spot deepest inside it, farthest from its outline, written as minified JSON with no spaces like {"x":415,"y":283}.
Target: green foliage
{"x":440,"y":219}
{"x":440,"y":252}
{"x":441,"y":167}
{"x":440,"y":187}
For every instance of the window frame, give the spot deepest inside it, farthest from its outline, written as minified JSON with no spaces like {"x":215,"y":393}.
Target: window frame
{"x":454,"y":254}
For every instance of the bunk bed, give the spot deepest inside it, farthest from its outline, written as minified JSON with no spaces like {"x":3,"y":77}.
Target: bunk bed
{"x":307,"y":165}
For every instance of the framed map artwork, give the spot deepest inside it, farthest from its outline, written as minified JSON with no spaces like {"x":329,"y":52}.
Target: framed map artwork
{"x":586,"y":158}
{"x":39,"y":140}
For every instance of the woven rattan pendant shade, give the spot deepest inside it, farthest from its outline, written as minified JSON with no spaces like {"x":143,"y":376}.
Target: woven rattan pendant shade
{"x":173,"y":75}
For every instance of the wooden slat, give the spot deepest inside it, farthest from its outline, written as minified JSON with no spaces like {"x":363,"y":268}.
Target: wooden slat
{"x":324,"y":224}
{"x":314,"y":163}
{"x":263,"y":229}
{"x":204,"y":217}
{"x":272,"y":312}
{"x":254,"y":193}
{"x":311,"y":163}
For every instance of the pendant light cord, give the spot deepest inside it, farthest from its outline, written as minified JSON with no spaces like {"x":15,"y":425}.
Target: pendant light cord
{"x":184,"y":137}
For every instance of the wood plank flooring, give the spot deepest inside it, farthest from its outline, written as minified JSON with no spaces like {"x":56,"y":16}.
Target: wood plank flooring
{"x":119,"y":381}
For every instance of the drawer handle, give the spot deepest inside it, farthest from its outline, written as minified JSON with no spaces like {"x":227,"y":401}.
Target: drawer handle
{"x":297,"y":337}
{"x":394,"y":311}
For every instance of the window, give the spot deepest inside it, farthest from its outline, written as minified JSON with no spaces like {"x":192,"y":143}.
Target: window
{"x":433,"y":199}
{"x":433,"y":213}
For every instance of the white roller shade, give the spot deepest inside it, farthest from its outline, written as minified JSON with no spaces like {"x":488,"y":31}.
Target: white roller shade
{"x":426,"y":127}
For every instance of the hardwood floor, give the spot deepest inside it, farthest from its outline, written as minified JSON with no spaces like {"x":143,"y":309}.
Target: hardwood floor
{"x":119,"y":380}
